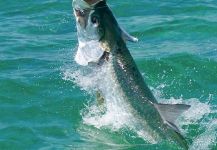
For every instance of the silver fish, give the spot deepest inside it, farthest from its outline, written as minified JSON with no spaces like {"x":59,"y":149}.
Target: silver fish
{"x":96,"y":22}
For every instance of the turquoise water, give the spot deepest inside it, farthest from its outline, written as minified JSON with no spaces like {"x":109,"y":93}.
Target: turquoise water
{"x":43,"y":107}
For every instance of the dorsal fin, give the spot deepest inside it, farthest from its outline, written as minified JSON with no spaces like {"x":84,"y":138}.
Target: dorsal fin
{"x":170,"y":112}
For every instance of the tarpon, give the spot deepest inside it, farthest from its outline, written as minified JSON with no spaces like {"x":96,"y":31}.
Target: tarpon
{"x":96,"y":22}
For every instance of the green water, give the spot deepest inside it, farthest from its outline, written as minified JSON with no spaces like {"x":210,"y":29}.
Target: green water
{"x":41,"y":109}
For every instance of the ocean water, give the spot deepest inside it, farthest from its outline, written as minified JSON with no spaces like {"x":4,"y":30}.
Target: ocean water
{"x":47,"y":100}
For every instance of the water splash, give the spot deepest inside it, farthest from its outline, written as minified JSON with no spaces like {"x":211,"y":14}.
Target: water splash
{"x":118,"y":114}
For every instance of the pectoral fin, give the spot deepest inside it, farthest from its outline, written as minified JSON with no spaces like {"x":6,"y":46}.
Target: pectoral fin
{"x":170,"y":112}
{"x":127,"y":37}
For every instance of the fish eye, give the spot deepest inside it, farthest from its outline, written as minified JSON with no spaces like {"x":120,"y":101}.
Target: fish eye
{"x":95,"y":20}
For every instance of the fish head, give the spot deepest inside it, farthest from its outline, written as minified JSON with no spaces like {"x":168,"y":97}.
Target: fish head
{"x":96,"y":22}
{"x":108,"y":30}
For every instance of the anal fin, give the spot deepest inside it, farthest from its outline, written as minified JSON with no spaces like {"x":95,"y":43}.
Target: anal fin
{"x":170,"y":112}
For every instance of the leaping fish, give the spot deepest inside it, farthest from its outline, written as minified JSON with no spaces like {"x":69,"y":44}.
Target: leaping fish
{"x":96,"y":22}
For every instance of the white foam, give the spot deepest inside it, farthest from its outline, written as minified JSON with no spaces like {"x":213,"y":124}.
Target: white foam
{"x":207,"y":139}
{"x":196,"y":112}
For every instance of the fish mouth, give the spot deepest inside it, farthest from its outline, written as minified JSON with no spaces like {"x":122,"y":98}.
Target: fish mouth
{"x":79,"y":13}
{"x":91,"y":49}
{"x":82,"y":10}
{"x":82,"y":17}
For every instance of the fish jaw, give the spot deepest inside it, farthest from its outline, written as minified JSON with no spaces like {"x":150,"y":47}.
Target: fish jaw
{"x":81,"y":18}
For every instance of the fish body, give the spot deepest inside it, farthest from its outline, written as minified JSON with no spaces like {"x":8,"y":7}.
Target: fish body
{"x":99,"y":24}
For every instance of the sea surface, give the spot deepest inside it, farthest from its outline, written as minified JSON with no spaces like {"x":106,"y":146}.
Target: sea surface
{"x":46,"y":102}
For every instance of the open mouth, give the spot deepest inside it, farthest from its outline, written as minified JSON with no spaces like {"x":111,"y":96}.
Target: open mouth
{"x":81,"y":13}
{"x":82,"y":16}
